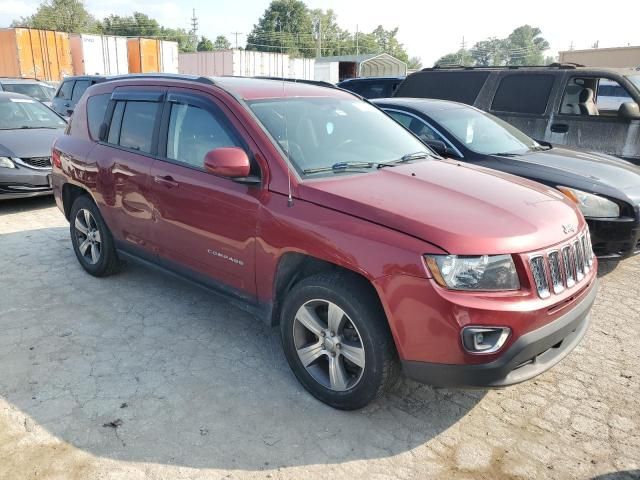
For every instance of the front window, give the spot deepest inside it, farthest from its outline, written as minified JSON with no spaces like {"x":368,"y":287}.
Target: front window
{"x":635,"y":79}
{"x":24,"y":113}
{"x":321,"y":132}
{"x":39,"y":92}
{"x":483,"y":133}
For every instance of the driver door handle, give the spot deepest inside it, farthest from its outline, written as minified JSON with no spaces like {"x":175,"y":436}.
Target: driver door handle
{"x":167,"y":181}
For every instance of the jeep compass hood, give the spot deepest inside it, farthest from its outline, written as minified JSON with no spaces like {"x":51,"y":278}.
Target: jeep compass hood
{"x":462,"y":209}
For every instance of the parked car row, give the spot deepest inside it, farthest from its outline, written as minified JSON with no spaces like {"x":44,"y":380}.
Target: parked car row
{"x":315,"y":210}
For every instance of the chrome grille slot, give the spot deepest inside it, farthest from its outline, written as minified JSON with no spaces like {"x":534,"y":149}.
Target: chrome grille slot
{"x":38,"y":162}
{"x":568,"y":261}
{"x":556,"y":270}
{"x":556,"y":273}
{"x":540,"y":276}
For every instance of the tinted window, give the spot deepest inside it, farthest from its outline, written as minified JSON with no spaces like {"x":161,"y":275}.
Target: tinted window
{"x":417,"y":126}
{"x":116,"y":122}
{"x":96,"y":108}
{"x":65,"y":90}
{"x":193,"y":132}
{"x":457,"y":86}
{"x":523,"y":93}
{"x":374,"y":90}
{"x":138,"y":122}
{"x":79,"y":89}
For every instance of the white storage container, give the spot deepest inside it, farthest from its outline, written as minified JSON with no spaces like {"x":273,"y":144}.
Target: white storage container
{"x":169,"y":56}
{"x":99,"y":54}
{"x":244,"y":63}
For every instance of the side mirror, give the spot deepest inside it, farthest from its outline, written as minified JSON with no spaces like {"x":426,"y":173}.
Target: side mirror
{"x":438,"y":146}
{"x":69,"y":112}
{"x":629,"y":110}
{"x":231,"y":162}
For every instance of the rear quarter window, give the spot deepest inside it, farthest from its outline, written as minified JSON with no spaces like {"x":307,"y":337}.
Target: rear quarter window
{"x":96,"y":109}
{"x":461,"y":87}
{"x":523,"y":93}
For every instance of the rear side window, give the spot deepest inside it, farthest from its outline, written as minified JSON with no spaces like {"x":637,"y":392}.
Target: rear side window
{"x":132,"y":125}
{"x":193,"y":132}
{"x":96,"y":109}
{"x":523,"y":93}
{"x":79,"y":89}
{"x":65,"y":90}
{"x":461,"y":87}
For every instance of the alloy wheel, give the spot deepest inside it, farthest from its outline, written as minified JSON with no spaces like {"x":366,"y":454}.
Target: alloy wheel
{"x":88,"y":236}
{"x":329,"y":345}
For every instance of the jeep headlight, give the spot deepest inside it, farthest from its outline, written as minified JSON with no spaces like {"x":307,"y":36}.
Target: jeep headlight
{"x":482,"y":272}
{"x":6,"y":162}
{"x":592,"y":205}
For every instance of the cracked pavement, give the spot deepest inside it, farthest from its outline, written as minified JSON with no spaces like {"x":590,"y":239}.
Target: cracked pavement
{"x":142,"y":375}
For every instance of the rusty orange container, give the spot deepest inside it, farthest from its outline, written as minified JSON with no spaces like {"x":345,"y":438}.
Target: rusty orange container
{"x":31,"y":53}
{"x":144,"y":55}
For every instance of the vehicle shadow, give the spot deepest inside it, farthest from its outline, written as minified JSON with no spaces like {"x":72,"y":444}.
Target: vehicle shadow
{"x":25,"y":204}
{"x":623,"y":475}
{"x":144,"y":367}
{"x":605,"y":267}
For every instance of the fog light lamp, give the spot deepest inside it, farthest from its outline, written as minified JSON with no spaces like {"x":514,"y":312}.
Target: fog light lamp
{"x":484,"y":339}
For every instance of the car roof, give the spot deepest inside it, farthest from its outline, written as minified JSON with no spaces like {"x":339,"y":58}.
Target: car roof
{"x":368,"y":79}
{"x":9,"y":80}
{"x":246,"y":88}
{"x":84,"y":77}
{"x":424,"y":105}
{"x":534,"y":68}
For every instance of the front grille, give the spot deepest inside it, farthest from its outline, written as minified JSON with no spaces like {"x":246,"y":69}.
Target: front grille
{"x":38,"y":162}
{"x":559,"y":269}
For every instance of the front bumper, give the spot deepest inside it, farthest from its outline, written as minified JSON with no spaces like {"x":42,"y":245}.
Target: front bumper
{"x":615,"y":238}
{"x":530,"y":355}
{"x":24,"y":182}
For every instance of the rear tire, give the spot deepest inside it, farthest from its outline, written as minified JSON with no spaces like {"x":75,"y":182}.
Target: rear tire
{"x":91,"y":238}
{"x":337,"y":341}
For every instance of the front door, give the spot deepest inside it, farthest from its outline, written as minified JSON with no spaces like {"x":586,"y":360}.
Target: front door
{"x":204,"y":225}
{"x":587,"y":121}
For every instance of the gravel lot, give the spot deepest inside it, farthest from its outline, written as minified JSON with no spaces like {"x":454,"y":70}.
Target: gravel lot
{"x":142,"y":375}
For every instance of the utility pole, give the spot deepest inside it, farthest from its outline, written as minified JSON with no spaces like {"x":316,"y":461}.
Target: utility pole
{"x":319,"y":40}
{"x":357,"y":46}
{"x":463,"y":45}
{"x":236,"y":34}
{"x":194,"y":24}
{"x":571,"y":46}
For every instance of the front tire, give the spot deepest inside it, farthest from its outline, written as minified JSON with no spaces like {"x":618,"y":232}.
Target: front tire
{"x":91,"y":238}
{"x":337,"y":341}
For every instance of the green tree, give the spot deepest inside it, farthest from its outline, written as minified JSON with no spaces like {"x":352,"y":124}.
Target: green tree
{"x":141,"y":25}
{"x":221,"y":43}
{"x":414,"y":63}
{"x":489,"y":53}
{"x":205,"y":45}
{"x":335,"y":40}
{"x":461,"y":57}
{"x":526,"y":46}
{"x":286,"y":25}
{"x":63,"y":15}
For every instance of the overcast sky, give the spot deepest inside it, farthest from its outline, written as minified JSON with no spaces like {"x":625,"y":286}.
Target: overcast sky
{"x":427,"y":29}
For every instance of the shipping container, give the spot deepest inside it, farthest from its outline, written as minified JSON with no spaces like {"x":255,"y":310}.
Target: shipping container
{"x":327,"y":72}
{"x":150,"y":55}
{"x":236,"y":62}
{"x":31,"y":53}
{"x":99,"y":54}
{"x":302,"y":68}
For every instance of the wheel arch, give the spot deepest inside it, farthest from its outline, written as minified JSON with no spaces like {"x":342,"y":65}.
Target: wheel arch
{"x":70,"y":192}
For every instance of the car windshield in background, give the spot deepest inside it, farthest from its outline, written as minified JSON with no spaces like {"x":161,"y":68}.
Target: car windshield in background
{"x":483,"y":133}
{"x":39,"y":92}
{"x":635,"y":79}
{"x":320,"y":132}
{"x":19,"y":113}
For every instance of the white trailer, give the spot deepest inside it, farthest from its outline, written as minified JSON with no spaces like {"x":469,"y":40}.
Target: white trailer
{"x":169,"y":56}
{"x":243,"y":63}
{"x":99,"y":54}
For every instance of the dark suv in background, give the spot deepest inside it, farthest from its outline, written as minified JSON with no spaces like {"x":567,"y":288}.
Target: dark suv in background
{"x":558,"y":104}
{"x":70,"y":91}
{"x":372,"y":87}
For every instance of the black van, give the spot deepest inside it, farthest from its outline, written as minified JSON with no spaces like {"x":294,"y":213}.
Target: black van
{"x":561,"y":103}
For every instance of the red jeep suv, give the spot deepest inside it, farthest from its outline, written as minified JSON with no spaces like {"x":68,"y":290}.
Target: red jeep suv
{"x":314,"y":210}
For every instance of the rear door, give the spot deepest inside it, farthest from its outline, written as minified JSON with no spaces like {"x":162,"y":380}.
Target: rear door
{"x":204,"y":225}
{"x":525,"y":100}
{"x":125,"y":154}
{"x":594,"y":126}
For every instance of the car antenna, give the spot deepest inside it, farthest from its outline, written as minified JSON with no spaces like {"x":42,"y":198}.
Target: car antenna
{"x":284,"y":113}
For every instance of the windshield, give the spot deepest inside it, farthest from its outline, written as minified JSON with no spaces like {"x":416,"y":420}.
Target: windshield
{"x":321,"y":132}
{"x":39,"y":92}
{"x":635,"y":79}
{"x":16,"y":113}
{"x":483,"y":133}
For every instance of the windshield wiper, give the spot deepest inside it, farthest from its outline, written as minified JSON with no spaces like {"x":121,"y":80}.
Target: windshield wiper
{"x":507,"y":154}
{"x":404,"y":159}
{"x":339,"y":167}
